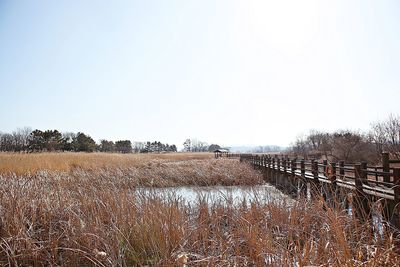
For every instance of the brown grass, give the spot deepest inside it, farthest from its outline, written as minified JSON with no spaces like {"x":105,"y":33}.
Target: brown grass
{"x":23,"y":163}
{"x":51,"y":221}
{"x":90,"y":216}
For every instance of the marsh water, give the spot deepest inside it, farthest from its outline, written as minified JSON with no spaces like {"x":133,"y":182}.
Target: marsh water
{"x":233,"y":195}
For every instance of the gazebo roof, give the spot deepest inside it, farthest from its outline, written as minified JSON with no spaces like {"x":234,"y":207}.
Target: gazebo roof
{"x":221,"y":150}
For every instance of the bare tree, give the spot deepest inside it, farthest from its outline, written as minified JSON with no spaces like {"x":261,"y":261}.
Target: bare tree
{"x":6,"y":142}
{"x":196,"y":145}
{"x":21,"y":138}
{"x":300,"y":146}
{"x":345,"y":145}
{"x":138,"y":146}
{"x":377,"y":137}
{"x":25,"y":136}
{"x":320,"y":143}
{"x":187,"y":145}
{"x":315,"y":139}
{"x":386,"y":135}
{"x":352,"y":146}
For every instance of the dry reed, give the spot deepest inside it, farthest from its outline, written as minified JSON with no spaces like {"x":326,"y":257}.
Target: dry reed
{"x":23,"y":163}
{"x":97,"y":218}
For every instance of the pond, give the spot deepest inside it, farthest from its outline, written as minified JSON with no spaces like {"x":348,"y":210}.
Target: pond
{"x":232,"y":195}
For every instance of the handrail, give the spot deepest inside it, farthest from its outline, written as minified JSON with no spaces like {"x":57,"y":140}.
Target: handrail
{"x":368,"y":179}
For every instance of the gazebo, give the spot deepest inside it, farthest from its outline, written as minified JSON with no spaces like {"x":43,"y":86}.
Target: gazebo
{"x":220,"y":152}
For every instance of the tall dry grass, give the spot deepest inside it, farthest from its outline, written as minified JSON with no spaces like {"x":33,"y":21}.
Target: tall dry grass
{"x":97,"y":218}
{"x":51,"y":222}
{"x":24,"y":163}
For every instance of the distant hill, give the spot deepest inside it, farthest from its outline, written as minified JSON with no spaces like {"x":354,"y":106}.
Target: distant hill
{"x":256,"y":149}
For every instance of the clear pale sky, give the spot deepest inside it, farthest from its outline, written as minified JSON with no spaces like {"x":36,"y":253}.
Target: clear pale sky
{"x":228,"y":72}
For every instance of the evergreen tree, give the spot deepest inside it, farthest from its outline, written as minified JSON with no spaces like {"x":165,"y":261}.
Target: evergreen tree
{"x":123,"y":146}
{"x":84,"y":143}
{"x":107,"y":146}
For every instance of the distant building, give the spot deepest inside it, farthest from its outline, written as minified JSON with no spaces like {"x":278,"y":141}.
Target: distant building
{"x":220,"y":152}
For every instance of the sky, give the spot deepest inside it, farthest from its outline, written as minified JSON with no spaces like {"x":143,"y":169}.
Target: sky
{"x":229,"y":72}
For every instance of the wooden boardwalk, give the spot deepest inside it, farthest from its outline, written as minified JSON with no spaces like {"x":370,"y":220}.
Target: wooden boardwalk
{"x":334,"y":180}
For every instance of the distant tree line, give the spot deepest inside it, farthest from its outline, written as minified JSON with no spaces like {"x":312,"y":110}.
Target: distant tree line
{"x":194,"y":145}
{"x":352,"y":146}
{"x":26,"y":140}
{"x":125,"y":146}
{"x":266,"y":149}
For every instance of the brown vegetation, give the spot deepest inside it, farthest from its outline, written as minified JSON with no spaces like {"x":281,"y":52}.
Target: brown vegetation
{"x":54,"y":221}
{"x":94,"y":216}
{"x":24,"y":163}
{"x":127,"y":171}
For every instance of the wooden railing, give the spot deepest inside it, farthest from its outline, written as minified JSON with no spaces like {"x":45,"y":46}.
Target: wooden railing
{"x":368,"y":184}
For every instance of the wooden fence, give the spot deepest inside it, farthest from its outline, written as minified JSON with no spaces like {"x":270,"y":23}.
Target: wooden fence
{"x":357,"y":185}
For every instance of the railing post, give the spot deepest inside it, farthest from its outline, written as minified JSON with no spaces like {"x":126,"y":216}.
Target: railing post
{"x":360,"y":200}
{"x":364,"y":171}
{"x":325,"y":165}
{"x":284,"y":164}
{"x":315,"y":181}
{"x":396,"y":182}
{"x":332,"y":177}
{"x":325,"y":188}
{"x":393,"y":207}
{"x":386,"y":166}
{"x":302,"y":181}
{"x":396,"y":189}
{"x":341,"y":169}
{"x":292,"y":177}
{"x":293,"y":167}
{"x":278,"y":164}
{"x":278,"y":173}
{"x":315,"y":170}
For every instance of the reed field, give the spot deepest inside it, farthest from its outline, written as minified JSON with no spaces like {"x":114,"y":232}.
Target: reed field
{"x":86,"y":210}
{"x":23,"y":163}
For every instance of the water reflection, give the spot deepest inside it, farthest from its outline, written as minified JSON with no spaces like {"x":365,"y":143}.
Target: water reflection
{"x":232,"y":195}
